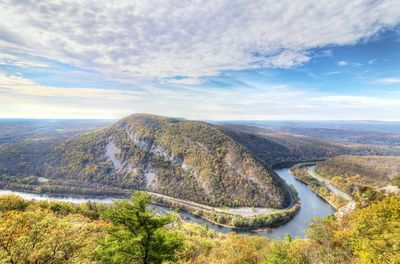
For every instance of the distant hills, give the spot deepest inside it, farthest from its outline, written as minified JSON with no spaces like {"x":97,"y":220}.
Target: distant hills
{"x":279,"y":148}
{"x":360,"y":132}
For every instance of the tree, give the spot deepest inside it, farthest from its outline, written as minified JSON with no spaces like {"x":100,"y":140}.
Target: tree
{"x":137,"y":234}
{"x":328,"y":245}
{"x":374,"y":233}
{"x":12,"y":202}
{"x":39,"y":236}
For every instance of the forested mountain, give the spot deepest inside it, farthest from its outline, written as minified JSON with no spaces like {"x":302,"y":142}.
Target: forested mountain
{"x":279,"y":148}
{"x":214,"y":164}
{"x":190,"y":160}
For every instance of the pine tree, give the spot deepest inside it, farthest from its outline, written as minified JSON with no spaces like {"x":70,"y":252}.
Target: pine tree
{"x":138,"y":234}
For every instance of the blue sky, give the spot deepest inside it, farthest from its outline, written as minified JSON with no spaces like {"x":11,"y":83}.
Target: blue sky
{"x":213,"y":60}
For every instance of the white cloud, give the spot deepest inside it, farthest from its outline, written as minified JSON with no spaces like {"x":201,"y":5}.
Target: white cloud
{"x":21,"y":97}
{"x":184,"y":81}
{"x":331,"y":73}
{"x":345,"y":63}
{"x":20,"y":61}
{"x":21,"y":86}
{"x":391,"y":80}
{"x":152,"y":39}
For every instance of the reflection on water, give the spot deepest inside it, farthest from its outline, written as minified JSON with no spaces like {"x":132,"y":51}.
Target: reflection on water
{"x":311,"y":206}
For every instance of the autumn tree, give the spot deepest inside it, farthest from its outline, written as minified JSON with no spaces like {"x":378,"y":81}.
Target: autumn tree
{"x":374,"y":233}
{"x":327,"y":245}
{"x":40,"y":236}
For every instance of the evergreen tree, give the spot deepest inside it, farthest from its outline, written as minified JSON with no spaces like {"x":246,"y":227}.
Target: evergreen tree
{"x":138,"y":234}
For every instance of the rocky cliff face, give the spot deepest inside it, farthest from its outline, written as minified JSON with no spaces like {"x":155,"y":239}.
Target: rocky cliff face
{"x":189,"y":160}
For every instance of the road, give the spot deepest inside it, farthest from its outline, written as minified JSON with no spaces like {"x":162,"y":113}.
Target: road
{"x":312,"y":173}
{"x":242,"y":211}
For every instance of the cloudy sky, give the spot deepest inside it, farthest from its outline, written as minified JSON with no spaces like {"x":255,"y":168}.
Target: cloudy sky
{"x":222,"y":59}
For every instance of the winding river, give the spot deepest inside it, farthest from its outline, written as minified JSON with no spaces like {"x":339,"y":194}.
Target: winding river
{"x":311,"y":206}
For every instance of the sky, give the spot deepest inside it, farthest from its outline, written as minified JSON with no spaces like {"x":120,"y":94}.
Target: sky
{"x":209,"y":60}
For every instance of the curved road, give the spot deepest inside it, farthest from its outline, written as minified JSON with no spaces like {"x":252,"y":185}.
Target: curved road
{"x":243,"y":211}
{"x":312,"y":173}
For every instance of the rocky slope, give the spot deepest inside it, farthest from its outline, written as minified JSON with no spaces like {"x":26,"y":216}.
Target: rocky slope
{"x":184,"y":159}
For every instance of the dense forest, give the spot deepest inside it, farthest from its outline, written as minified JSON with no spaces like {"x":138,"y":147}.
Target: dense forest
{"x":129,"y":232}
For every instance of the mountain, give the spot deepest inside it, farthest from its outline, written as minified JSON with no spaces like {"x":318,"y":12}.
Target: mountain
{"x":280,"y":148}
{"x":184,"y":159}
{"x":214,"y":164}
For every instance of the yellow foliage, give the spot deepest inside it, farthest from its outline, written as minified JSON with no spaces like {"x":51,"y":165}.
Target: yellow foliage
{"x":374,"y":232}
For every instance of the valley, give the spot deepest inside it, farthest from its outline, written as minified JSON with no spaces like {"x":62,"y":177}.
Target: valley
{"x":219,"y":172}
{"x":227,"y":182}
{"x":192,"y":161}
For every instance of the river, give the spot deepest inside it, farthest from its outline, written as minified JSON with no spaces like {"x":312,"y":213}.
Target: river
{"x":311,"y":206}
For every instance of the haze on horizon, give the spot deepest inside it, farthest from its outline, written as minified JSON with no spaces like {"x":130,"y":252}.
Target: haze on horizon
{"x":211,"y":60}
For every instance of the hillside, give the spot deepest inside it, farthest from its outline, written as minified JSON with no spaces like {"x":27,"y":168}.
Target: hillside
{"x":218,"y":165}
{"x":279,"y":148}
{"x":343,"y":135}
{"x":184,"y":159}
{"x":351,"y":172}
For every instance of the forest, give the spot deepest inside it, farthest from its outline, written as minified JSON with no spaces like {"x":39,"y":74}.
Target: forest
{"x":129,"y":232}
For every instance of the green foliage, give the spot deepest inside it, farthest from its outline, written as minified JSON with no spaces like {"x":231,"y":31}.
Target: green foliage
{"x":278,"y":253}
{"x":138,"y":235}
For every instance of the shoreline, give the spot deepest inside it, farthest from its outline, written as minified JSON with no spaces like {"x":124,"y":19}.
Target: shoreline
{"x":319,"y":195}
{"x":306,"y":165}
{"x":210,"y":214}
{"x":213,"y":216}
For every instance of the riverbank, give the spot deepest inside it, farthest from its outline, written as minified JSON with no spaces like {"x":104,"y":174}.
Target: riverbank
{"x":312,"y":173}
{"x":301,"y":173}
{"x":235,"y":218}
{"x":254,"y":219}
